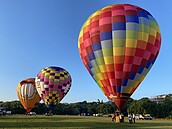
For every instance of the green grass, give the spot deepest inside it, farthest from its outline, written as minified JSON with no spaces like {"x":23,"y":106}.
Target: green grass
{"x":77,"y":122}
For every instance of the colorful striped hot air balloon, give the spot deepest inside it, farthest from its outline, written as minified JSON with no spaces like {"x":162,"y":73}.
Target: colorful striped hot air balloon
{"x":28,"y":94}
{"x":52,"y":84}
{"x":118,"y":45}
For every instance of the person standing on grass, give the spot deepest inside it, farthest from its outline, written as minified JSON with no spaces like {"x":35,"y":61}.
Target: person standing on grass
{"x":113,"y":117}
{"x":134,"y":118}
{"x":117,"y":119}
{"x":130,"y":118}
{"x":121,"y":117}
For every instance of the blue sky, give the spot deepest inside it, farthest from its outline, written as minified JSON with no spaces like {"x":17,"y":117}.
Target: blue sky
{"x":38,"y":33}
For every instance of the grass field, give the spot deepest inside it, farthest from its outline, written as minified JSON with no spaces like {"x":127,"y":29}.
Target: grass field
{"x":77,"y":122}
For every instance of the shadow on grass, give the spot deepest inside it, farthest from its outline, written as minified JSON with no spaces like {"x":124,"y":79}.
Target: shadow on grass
{"x":40,"y":117}
{"x":86,"y":125}
{"x":75,"y":122}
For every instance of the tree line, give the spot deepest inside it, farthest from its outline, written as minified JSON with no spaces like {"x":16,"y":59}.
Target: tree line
{"x":142,"y":106}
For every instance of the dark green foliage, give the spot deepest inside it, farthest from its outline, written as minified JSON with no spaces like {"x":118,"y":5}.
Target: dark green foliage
{"x":141,"y":106}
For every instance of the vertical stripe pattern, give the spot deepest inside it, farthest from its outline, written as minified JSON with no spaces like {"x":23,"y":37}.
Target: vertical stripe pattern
{"x":28,"y":94}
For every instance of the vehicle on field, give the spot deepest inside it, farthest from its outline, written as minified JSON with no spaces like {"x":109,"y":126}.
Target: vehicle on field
{"x":98,"y":115}
{"x":49,"y":114}
{"x":3,"y":111}
{"x":139,"y":117}
{"x":32,"y":113}
{"x":8,"y":112}
{"x":147,"y":117}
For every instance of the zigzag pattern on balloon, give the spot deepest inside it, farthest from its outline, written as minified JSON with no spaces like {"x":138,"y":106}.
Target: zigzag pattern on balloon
{"x":52,"y":84}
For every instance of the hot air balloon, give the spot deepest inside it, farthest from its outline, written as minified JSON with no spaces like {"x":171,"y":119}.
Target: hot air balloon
{"x":118,"y":45}
{"x":52,"y":84}
{"x":28,"y":94}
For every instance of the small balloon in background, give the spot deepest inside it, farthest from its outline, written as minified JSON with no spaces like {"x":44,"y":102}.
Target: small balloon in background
{"x":52,"y":84}
{"x":27,"y":94}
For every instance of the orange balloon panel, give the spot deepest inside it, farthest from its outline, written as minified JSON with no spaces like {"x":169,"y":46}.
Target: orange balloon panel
{"x":28,"y":94}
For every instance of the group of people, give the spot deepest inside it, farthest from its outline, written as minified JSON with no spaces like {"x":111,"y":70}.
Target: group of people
{"x":119,"y":117}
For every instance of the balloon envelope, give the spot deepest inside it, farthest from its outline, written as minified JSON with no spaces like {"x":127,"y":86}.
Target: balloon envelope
{"x":118,"y":45}
{"x":28,"y":94}
{"x":52,"y":84}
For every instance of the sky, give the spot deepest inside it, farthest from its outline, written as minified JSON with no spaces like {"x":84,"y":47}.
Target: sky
{"x":38,"y":33}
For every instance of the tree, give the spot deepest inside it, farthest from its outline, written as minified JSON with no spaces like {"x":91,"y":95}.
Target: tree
{"x":91,"y":108}
{"x":143,"y":106}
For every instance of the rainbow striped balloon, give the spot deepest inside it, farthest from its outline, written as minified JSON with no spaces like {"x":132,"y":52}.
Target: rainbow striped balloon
{"x":118,"y":45}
